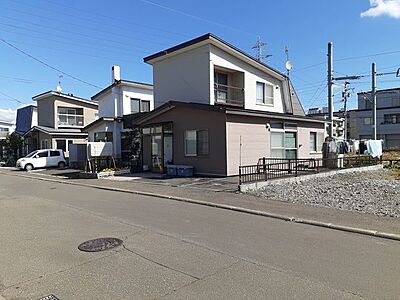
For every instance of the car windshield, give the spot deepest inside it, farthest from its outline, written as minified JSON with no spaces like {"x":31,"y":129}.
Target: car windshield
{"x":32,"y":153}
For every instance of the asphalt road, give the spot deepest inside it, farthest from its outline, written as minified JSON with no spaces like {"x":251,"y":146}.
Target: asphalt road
{"x":175,"y":250}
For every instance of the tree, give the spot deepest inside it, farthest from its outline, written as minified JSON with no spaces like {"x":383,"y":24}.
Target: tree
{"x":12,"y":147}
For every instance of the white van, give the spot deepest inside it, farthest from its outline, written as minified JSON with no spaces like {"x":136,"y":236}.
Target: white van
{"x":43,"y":158}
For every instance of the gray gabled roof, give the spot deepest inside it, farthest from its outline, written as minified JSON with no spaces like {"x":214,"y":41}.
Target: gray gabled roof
{"x":57,"y":131}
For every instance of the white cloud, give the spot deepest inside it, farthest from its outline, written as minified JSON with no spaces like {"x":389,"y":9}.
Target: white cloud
{"x":390,"y":8}
{"x":7,"y":115}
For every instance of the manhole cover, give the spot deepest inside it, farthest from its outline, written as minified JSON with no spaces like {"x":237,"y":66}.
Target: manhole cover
{"x":100,"y":244}
{"x":49,"y":297}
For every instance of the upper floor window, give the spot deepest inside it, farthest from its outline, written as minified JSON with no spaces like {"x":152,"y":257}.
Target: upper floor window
{"x":367,"y":121}
{"x":138,"y":105}
{"x":135,"y":105}
{"x":264,"y":93}
{"x":391,"y":119}
{"x":145,"y":106}
{"x":70,"y":116}
{"x":5,"y":129}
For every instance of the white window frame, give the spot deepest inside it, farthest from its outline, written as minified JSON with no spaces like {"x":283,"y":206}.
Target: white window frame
{"x":315,"y":145}
{"x":283,"y":131}
{"x":196,"y":131}
{"x":267,"y":100}
{"x":67,"y":115}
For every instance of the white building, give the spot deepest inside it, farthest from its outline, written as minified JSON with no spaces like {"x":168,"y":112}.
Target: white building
{"x":122,"y":97}
{"x":5,"y":129}
{"x":211,"y":71}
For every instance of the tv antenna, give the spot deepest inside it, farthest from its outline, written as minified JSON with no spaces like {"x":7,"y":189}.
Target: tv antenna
{"x":288,"y":64}
{"x":59,"y":86}
{"x":259,"y":47}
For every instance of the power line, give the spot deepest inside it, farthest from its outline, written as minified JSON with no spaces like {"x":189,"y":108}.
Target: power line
{"x":49,"y":66}
{"x":77,"y":39}
{"x":195,"y":17}
{"x":12,"y":98}
{"x":79,"y":33}
{"x":96,"y":20}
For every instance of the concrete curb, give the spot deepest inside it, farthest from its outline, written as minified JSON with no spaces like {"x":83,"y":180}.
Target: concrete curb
{"x":374,"y":233}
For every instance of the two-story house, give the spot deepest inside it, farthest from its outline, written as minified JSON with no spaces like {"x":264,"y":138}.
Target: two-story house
{"x":60,"y":120}
{"x":217,"y":108}
{"x":121,"y":98}
{"x":387,"y":117}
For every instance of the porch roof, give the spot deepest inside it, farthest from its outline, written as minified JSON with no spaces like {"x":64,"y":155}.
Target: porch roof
{"x":55,"y":131}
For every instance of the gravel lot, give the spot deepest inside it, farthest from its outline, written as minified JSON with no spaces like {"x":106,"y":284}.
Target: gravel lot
{"x":373,"y":192}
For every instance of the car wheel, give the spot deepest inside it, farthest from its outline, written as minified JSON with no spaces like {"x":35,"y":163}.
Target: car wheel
{"x":61,"y":164}
{"x":28,"y":167}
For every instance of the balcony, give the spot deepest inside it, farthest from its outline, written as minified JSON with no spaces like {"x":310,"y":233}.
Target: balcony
{"x":228,"y":95}
{"x":66,"y":120}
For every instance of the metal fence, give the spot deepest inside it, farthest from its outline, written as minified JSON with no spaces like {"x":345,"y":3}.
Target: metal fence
{"x":273,"y":168}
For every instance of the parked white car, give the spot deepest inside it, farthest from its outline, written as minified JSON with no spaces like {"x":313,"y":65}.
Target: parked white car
{"x":43,"y":158}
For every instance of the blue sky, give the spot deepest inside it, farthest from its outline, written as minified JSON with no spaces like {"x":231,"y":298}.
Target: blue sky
{"x":85,"y":38}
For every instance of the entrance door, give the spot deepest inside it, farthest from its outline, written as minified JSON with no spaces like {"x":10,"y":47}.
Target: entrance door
{"x":156,"y":153}
{"x":168,"y":153}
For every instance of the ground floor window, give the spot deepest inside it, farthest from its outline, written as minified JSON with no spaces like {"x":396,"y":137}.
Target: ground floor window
{"x":103,"y":137}
{"x":130,"y":144}
{"x":196,"y":142}
{"x":284,"y":144}
{"x":316,"y":141}
{"x":44,"y":144}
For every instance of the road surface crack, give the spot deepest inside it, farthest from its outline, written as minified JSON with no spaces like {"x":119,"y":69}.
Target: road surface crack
{"x":158,"y":263}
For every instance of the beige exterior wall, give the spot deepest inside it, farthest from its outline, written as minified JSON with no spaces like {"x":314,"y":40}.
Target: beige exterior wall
{"x":89,"y":110}
{"x":249,"y":139}
{"x":48,"y":108}
{"x":183,"y":77}
{"x":195,"y":119}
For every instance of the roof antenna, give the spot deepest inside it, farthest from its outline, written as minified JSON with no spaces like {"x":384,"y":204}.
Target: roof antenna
{"x":288,"y":64}
{"x":259,"y":46}
{"x":59,"y":87}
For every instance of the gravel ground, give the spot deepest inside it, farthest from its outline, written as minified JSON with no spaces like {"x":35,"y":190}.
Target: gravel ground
{"x":373,"y":192}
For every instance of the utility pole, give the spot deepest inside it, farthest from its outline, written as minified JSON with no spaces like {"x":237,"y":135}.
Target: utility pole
{"x":330,"y":88}
{"x":345,"y":97}
{"x":373,"y":91}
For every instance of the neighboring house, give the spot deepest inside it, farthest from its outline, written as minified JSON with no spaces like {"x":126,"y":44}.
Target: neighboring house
{"x":121,"y":98}
{"x":60,"y":120}
{"x":26,"y":119}
{"x":6,"y":128}
{"x":388,"y":117}
{"x":338,"y":121}
{"x":218,"y":108}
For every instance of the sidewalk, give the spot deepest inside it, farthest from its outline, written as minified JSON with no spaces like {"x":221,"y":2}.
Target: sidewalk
{"x":236,"y":199}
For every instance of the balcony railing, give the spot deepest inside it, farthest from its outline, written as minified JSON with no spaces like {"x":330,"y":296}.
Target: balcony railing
{"x":70,"y":120}
{"x":228,"y":95}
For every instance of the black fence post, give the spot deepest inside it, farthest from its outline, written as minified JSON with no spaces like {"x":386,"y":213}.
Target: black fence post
{"x":264,"y":166}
